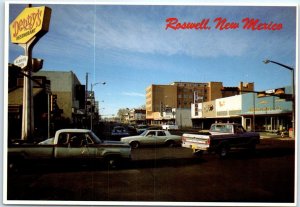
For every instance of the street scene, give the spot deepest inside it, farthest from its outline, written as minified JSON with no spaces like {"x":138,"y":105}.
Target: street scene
{"x":150,"y":104}
{"x":168,"y":175}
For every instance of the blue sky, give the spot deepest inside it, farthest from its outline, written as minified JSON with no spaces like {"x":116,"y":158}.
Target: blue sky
{"x":129,"y":48}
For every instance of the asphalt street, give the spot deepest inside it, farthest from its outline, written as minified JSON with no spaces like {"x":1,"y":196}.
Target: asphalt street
{"x":169,"y":175}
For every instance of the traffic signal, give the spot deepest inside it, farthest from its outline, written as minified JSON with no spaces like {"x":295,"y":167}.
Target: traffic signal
{"x":261,"y":94}
{"x":279,"y":92}
{"x":53,"y":102}
{"x":80,"y":95}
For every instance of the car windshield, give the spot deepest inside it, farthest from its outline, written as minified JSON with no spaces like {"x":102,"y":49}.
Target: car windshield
{"x":144,"y":133}
{"x":221,"y":128}
{"x":95,"y":138}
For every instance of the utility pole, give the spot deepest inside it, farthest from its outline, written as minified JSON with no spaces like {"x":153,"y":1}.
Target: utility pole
{"x":86,"y":91}
{"x":293,"y":90}
{"x":27,"y":37}
{"x":27,"y":110}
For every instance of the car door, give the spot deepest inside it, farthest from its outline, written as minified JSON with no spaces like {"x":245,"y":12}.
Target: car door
{"x":72,"y":146}
{"x":150,"y":138}
{"x":242,"y":135}
{"x":161,"y":137}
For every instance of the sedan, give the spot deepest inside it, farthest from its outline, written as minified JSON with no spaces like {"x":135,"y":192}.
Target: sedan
{"x":153,"y":137}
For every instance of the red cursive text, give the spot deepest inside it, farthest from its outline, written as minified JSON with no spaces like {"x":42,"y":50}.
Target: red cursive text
{"x":223,"y":24}
{"x":255,"y":24}
{"x":174,"y":24}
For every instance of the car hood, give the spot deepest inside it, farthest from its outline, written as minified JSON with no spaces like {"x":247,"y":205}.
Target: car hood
{"x":115,"y":143}
{"x":131,"y":137}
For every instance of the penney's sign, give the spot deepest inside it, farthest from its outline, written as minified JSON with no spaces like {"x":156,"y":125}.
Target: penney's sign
{"x":31,"y":22}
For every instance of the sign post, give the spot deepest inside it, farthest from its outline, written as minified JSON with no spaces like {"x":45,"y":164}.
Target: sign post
{"x":28,"y":27}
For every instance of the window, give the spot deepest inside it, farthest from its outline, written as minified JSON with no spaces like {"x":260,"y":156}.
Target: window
{"x":89,"y":139}
{"x":151,"y":133}
{"x":63,"y":140}
{"x":77,"y":139}
{"x":161,"y":133}
{"x":222,"y":128}
{"x":239,"y":129}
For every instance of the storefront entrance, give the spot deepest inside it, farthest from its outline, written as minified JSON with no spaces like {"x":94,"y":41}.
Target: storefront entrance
{"x":268,"y":123}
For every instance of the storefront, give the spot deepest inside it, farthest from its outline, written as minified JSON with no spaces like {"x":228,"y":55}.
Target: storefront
{"x":266,"y":114}
{"x":269,"y":113}
{"x":220,"y":110}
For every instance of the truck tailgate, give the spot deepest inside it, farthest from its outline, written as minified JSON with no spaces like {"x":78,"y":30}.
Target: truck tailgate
{"x":195,"y":141}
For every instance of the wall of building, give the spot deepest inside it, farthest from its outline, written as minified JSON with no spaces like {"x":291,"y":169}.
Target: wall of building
{"x":246,"y":87}
{"x":214,"y":90}
{"x":183,"y":118}
{"x":189,"y":92}
{"x":161,"y":95}
{"x":63,"y":84}
{"x":265,"y":105}
{"x":181,"y":95}
{"x":229,"y":106}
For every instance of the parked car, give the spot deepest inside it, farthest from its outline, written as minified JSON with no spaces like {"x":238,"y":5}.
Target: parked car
{"x":119,"y":131}
{"x":169,"y":126}
{"x":153,"y":137}
{"x":141,"y":128}
{"x":220,"y":139}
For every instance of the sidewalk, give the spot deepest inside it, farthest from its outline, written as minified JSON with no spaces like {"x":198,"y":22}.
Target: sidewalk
{"x":266,"y":135}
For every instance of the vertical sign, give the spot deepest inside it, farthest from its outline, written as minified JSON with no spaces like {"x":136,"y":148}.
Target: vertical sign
{"x":28,"y":27}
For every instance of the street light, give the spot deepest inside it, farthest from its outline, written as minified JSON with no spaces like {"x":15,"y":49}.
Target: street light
{"x":293,"y":89}
{"x":92,"y":111}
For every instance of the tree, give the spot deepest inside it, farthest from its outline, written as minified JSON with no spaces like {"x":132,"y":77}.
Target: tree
{"x":123,"y":113}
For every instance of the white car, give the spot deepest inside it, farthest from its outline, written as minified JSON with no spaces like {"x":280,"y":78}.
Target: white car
{"x":153,"y":137}
{"x":169,"y":126}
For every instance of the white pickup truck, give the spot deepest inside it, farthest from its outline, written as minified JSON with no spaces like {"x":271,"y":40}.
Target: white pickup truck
{"x":221,"y":137}
{"x":169,"y":126}
{"x":70,"y":145}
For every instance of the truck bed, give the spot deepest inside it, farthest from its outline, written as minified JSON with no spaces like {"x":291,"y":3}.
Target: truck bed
{"x":32,"y":151}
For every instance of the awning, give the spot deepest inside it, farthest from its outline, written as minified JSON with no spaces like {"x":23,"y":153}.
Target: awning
{"x":15,"y":97}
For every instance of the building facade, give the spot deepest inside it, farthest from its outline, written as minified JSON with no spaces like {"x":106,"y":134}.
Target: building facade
{"x":57,"y":91}
{"x":64,"y":85}
{"x":15,"y":103}
{"x":137,"y":116}
{"x":180,"y":95}
{"x":269,"y":113}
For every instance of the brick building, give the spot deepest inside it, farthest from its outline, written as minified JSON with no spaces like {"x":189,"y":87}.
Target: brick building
{"x":180,"y":95}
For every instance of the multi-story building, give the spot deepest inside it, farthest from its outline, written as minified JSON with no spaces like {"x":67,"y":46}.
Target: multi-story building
{"x":180,"y":95}
{"x":69,"y":91}
{"x":267,"y":113}
{"x":137,"y":116}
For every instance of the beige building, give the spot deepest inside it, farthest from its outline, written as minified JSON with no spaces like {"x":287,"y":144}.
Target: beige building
{"x":66,"y":108}
{"x":64,"y":84}
{"x":180,"y":95}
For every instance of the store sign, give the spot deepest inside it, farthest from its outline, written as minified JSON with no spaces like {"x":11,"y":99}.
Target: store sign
{"x":209,"y":109}
{"x":21,"y":61}
{"x":31,"y":22}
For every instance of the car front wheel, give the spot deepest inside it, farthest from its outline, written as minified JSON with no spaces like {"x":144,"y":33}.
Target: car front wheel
{"x":135,"y":145}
